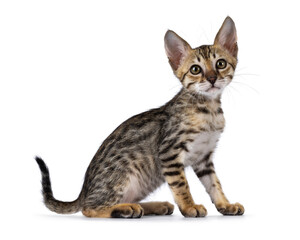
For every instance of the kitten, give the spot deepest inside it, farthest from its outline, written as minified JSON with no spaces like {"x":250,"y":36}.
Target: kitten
{"x":155,"y":146}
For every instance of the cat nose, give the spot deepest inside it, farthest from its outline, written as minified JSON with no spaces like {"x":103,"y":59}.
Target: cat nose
{"x":212,"y":79}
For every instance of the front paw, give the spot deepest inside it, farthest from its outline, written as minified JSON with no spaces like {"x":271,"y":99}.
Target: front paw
{"x":230,"y":209}
{"x":194,"y":211}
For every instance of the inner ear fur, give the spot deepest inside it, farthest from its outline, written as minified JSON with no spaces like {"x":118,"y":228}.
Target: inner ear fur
{"x":177,"y":49}
{"x":226,"y":38}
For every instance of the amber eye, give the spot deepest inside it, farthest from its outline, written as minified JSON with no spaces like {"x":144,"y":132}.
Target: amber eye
{"x":221,"y":64}
{"x":195,"y":69}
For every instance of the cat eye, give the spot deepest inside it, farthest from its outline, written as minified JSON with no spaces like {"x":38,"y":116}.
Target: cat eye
{"x":195,"y":69}
{"x":221,"y":64}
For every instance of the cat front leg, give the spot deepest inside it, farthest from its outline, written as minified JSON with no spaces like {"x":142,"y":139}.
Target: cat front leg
{"x":205,"y":171}
{"x":173,"y":171}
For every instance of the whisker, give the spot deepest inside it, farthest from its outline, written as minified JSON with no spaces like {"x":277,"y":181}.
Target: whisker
{"x":247,"y":85}
{"x":229,"y":95}
{"x":234,"y":88}
{"x":240,"y":68}
{"x":246,"y":74}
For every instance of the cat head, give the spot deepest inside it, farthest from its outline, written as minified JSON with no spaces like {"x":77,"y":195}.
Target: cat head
{"x":208,"y":69}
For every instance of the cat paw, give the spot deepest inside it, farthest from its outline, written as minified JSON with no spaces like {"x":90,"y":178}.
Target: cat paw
{"x":230,"y":209}
{"x":194,"y":211}
{"x":157,"y":208}
{"x":127,"y":211}
{"x":165,"y":208}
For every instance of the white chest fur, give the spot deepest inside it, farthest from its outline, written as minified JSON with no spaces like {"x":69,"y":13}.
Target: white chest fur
{"x":202,"y":144}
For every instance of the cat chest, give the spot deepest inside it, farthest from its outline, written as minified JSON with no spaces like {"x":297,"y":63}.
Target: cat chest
{"x":200,"y":145}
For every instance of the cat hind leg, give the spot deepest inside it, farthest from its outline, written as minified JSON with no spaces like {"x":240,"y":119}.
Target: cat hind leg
{"x":157,"y":208}
{"x":123,"y":210}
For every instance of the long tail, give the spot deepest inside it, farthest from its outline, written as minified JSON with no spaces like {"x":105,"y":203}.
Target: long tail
{"x":50,"y":202}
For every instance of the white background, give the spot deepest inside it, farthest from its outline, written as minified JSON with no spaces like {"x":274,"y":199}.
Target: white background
{"x":72,"y":71}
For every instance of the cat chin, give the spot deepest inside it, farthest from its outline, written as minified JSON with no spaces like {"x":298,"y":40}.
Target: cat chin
{"x":212,"y":92}
{"x":208,"y":91}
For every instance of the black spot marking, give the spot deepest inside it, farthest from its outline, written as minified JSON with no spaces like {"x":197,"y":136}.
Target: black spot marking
{"x":191,"y":131}
{"x":181,"y":145}
{"x":174,"y":173}
{"x":209,"y":164}
{"x":173,"y":183}
{"x":176,"y":165}
{"x":205,"y":172}
{"x":203,"y":110}
{"x":206,"y":157}
{"x":170,"y":144}
{"x":171,"y":158}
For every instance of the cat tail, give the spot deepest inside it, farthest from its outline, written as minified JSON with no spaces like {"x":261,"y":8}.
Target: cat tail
{"x":50,"y":202}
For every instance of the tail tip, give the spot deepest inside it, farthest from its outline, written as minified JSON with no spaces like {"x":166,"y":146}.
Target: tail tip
{"x":41,"y":164}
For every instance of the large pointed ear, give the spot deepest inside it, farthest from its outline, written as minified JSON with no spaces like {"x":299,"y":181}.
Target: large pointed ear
{"x":177,"y":49}
{"x":226,"y":37}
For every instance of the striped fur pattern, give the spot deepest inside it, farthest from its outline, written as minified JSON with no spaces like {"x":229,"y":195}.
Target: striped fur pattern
{"x":155,"y":146}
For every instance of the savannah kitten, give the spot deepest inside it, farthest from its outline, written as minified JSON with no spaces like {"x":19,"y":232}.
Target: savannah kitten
{"x":155,"y":146}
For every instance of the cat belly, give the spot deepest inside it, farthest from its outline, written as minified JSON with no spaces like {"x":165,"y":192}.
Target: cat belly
{"x":137,"y":189}
{"x":133,"y":190}
{"x":203,"y":144}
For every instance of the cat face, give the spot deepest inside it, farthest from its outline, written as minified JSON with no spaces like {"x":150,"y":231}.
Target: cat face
{"x":208,"y":69}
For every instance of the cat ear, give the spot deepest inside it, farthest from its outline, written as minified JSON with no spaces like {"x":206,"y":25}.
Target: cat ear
{"x":227,"y":38}
{"x":177,"y":49}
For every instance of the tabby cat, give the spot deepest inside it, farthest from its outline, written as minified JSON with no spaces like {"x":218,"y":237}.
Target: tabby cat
{"x":156,"y":146}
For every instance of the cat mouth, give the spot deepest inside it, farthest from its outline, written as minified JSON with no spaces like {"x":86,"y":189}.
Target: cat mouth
{"x":212,"y":89}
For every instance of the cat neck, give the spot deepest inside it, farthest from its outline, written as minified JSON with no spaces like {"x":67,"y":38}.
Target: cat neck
{"x":194,"y":98}
{"x":185,"y":101}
